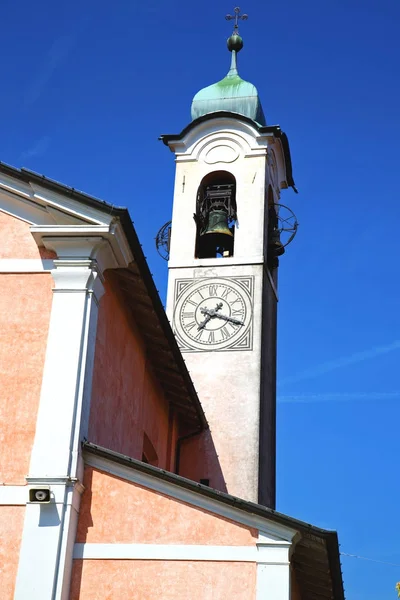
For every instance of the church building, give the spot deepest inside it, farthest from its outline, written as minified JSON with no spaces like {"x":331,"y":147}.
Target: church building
{"x":122,"y":476}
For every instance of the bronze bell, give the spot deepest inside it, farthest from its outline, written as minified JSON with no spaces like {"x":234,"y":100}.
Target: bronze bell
{"x":216,"y":235}
{"x":218,"y":224}
{"x":274,"y":243}
{"x":275,"y":246}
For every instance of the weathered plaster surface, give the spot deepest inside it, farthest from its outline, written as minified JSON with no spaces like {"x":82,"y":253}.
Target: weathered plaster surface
{"x":228,"y":385}
{"x":25,"y":304}
{"x":153,"y":580}
{"x":19,"y":242}
{"x":126,"y":397}
{"x":199,"y":460}
{"x":116,"y":511}
{"x":11,"y":524}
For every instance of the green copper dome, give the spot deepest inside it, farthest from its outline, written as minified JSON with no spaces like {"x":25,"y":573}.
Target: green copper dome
{"x":231,"y":94}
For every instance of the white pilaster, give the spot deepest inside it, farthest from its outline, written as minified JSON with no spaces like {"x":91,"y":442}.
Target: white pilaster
{"x":273,"y":569}
{"x":49,"y":529}
{"x":77,"y":290}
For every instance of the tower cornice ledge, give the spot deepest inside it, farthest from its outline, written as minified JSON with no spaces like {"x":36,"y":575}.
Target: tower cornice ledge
{"x":266,"y":135}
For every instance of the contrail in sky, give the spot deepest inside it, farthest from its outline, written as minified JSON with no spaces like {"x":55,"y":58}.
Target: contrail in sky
{"x":338,"y":397}
{"x":55,"y":56}
{"x":344,"y":361}
{"x":39,"y":148}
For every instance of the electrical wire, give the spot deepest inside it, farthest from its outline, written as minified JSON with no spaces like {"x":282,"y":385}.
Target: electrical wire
{"x":382,"y":562}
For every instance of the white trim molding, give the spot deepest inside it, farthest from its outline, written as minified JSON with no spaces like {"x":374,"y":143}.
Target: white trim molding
{"x":37,"y":205}
{"x":13,"y":495}
{"x":165,"y":552}
{"x":26,"y":265}
{"x":229,"y":261}
{"x":271,"y":555}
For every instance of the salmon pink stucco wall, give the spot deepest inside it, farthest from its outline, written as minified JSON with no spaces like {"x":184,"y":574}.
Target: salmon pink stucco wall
{"x":198,"y":459}
{"x":19,"y":242}
{"x":134,"y":514}
{"x":11,"y":524}
{"x":127,"y":400}
{"x":166,"y":580}
{"x":25,"y":305}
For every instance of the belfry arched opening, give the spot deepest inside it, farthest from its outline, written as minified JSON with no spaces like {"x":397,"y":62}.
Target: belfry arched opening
{"x":216,"y":215}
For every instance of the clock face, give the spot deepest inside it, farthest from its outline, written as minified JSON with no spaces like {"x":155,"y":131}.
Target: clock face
{"x":213,"y":313}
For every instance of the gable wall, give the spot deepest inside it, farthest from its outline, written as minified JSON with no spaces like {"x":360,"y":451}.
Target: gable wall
{"x":127,"y":401}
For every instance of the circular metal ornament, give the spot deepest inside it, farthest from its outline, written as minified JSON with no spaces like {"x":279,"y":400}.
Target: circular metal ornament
{"x":287,"y":224}
{"x":163,"y":238}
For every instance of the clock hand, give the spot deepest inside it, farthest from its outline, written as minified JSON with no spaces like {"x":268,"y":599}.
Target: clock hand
{"x":204,"y":323}
{"x":212,"y":312}
{"x":230,"y":319}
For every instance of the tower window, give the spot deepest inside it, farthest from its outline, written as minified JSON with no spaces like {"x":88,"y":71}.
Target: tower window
{"x":216,"y":216}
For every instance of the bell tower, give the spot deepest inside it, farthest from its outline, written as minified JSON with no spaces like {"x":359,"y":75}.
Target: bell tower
{"x":222,"y":287}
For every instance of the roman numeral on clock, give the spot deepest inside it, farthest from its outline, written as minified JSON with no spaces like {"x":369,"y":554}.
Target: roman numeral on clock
{"x":224,"y":333}
{"x":188,"y":315}
{"x":235,"y":301}
{"x":213,"y":290}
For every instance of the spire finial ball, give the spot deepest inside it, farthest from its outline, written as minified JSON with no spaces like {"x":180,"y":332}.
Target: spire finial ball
{"x":234,"y":42}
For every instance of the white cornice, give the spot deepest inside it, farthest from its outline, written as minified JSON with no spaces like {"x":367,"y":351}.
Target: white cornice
{"x":24,"y":209}
{"x":223,"y":128}
{"x":69,"y":205}
{"x":106,"y":244}
{"x":66,"y":225}
{"x":38,"y":205}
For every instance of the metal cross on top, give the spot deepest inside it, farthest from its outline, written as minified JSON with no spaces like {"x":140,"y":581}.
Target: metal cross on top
{"x":236,"y":16}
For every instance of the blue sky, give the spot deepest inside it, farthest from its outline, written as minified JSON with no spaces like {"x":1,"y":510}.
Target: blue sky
{"x":87,"y":88}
